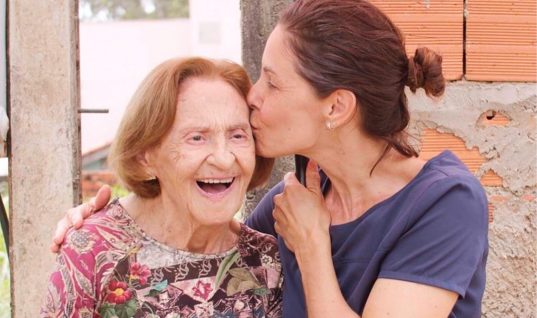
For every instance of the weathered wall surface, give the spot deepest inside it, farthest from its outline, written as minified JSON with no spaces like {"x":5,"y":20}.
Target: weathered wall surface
{"x":493,"y":128}
{"x":501,"y":150}
{"x":43,"y":91}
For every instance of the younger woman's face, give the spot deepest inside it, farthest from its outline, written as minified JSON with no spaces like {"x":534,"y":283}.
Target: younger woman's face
{"x":285,"y":111}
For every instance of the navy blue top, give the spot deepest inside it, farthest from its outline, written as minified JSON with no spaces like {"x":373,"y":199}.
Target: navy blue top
{"x":432,"y":232}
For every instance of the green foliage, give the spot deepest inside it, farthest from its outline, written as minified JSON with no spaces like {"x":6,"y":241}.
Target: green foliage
{"x":118,"y":191}
{"x":133,"y":9}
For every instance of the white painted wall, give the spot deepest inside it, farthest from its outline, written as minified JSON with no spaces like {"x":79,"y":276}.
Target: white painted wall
{"x":116,"y":56}
{"x":216,"y":28}
{"x":114,"y":59}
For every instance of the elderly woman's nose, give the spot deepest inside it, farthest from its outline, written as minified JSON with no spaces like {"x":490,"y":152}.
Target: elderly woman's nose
{"x":222,"y":156}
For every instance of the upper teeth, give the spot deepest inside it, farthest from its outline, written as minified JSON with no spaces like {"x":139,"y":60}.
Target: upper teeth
{"x":229,"y":180}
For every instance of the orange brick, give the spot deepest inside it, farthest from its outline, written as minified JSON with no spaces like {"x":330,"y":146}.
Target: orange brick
{"x":434,"y":142}
{"x":491,"y":213}
{"x":435,"y":24}
{"x":501,"y":40}
{"x":498,"y":199}
{"x":491,"y":179}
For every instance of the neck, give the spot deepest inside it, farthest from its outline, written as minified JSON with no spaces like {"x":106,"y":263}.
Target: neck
{"x":347,"y":156}
{"x":169,"y":222}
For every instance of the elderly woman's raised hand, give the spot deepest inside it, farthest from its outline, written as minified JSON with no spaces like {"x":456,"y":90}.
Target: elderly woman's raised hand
{"x":300,"y":214}
{"x":75,"y":216}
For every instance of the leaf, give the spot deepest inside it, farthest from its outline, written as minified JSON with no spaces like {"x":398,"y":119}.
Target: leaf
{"x":242,"y":274}
{"x":107,"y":311}
{"x":261,"y":291}
{"x":158,"y":288}
{"x":233,"y":286}
{"x":131,"y":307}
{"x":123,"y":311}
{"x":225,"y":266}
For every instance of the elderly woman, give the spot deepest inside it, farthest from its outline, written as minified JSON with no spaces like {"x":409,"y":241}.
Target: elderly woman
{"x":172,"y":248}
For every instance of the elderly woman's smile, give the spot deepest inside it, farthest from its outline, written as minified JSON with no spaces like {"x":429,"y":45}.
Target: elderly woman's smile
{"x":212,"y":187}
{"x":208,"y":156}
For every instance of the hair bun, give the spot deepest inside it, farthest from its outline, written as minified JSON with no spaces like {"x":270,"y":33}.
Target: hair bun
{"x":425,"y":70}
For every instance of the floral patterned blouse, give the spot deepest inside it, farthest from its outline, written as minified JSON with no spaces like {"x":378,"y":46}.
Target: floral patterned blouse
{"x":111,"y":268}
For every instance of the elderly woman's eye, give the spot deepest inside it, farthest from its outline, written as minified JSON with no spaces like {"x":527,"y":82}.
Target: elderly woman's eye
{"x":239,"y":136}
{"x":196,"y":138}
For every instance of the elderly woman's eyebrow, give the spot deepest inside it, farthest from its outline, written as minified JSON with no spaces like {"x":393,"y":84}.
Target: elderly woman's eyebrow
{"x":243,"y":126}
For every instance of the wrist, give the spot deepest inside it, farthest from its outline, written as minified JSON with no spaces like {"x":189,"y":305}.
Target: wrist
{"x":317,"y":248}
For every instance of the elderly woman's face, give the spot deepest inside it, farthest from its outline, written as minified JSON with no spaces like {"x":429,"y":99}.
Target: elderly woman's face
{"x":206,"y":161}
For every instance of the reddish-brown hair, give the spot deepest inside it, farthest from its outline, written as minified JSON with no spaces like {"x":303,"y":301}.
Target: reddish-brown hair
{"x":351,"y":44}
{"x":151,"y":113}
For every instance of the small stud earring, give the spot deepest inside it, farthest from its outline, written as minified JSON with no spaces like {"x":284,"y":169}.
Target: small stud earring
{"x":329,"y":125}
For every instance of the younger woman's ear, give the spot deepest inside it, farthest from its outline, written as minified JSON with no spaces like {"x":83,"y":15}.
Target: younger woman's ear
{"x":342,"y":107}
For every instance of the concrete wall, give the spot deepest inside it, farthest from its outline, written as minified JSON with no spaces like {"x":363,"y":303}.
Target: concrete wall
{"x":501,"y":151}
{"x":45,"y":138}
{"x":493,"y":128}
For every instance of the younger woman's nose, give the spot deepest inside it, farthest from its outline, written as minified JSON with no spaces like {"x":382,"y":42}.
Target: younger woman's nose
{"x":253,"y":98}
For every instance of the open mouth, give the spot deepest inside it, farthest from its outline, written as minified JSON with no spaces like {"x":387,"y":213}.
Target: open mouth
{"x":215,"y":186}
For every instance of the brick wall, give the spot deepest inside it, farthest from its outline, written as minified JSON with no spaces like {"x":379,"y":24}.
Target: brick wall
{"x":93,"y":180}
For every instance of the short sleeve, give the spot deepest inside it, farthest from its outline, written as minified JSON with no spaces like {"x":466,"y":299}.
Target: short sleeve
{"x":445,"y":240}
{"x":261,"y":218}
{"x":71,"y":287}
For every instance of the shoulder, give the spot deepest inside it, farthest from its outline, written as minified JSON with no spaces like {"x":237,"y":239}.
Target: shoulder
{"x":256,"y":244}
{"x":255,"y":239}
{"x":444,"y":174}
{"x":448,"y":190}
{"x":103,"y":230}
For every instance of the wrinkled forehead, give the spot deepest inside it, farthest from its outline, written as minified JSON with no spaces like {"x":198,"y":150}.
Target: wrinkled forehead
{"x":214,"y":102}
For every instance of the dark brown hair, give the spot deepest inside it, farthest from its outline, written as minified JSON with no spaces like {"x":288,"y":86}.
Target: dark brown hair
{"x":151,"y":113}
{"x":351,"y":44}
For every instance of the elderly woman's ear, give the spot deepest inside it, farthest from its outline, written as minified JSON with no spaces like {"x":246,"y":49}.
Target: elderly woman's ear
{"x":146,"y":160}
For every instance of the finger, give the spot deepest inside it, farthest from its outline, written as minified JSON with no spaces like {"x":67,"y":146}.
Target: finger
{"x":61,"y":228}
{"x":54,"y":248}
{"x":278,"y":200}
{"x":313,"y":178}
{"x":290,"y":179}
{"x":102,"y":198}
{"x":277,"y":214}
{"x":78,"y":214}
{"x":277,"y":228}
